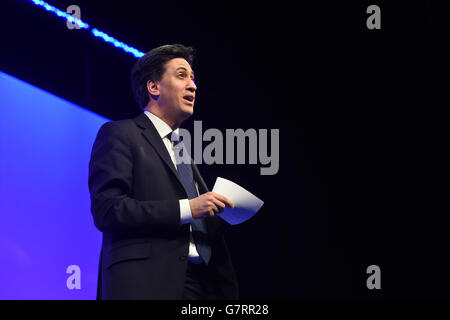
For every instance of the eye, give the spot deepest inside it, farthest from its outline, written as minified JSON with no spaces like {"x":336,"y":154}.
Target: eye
{"x":182,"y":75}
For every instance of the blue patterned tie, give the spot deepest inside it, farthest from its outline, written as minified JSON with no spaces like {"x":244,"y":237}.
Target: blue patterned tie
{"x":187,"y":178}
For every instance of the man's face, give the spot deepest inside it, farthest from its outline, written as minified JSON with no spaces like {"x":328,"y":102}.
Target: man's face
{"x":177,"y":90}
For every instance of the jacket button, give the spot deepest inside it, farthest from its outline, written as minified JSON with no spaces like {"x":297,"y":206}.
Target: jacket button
{"x":183,"y":257}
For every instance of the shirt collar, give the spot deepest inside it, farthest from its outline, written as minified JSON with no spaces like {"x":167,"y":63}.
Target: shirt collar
{"x":163,"y":128}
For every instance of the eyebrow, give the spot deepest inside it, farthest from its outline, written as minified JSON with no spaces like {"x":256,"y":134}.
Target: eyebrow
{"x":186,"y":70}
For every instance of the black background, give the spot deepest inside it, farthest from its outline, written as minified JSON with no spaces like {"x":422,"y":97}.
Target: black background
{"x":362,"y":114}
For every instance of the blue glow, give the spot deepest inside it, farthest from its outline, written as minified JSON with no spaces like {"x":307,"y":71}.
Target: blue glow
{"x":97,"y":33}
{"x":46,"y":223}
{"x":117,"y":43}
{"x":60,"y":13}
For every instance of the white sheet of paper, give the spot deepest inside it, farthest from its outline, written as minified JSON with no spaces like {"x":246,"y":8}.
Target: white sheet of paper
{"x":245,"y":203}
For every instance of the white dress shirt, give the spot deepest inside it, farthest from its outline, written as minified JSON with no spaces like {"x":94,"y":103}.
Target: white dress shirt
{"x":164,"y":131}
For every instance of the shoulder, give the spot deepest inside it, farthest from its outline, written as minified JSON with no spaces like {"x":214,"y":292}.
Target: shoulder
{"x":118,"y":127}
{"x":113,"y":132}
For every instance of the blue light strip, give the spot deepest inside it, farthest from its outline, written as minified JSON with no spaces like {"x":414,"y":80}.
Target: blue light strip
{"x":97,"y":33}
{"x":117,"y":43}
{"x":60,"y":13}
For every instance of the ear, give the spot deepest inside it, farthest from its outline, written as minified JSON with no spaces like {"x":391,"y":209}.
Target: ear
{"x":153,"y":88}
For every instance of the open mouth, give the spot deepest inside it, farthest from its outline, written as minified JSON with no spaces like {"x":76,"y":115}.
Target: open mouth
{"x":189,"y":99}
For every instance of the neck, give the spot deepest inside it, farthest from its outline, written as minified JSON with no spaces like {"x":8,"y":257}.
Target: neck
{"x":157,"y":111}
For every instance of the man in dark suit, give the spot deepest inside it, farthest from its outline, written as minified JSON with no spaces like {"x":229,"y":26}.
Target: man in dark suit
{"x":161,"y":238}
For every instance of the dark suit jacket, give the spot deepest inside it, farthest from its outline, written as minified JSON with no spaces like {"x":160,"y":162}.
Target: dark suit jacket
{"x":135,"y":192}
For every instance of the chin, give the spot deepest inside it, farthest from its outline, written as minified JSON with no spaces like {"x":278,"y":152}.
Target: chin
{"x":189,"y":111}
{"x":186,"y":113}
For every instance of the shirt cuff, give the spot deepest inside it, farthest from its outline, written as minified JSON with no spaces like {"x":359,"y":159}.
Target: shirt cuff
{"x":185,"y":211}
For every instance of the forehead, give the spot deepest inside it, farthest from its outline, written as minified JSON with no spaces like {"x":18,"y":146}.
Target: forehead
{"x":176,"y":63}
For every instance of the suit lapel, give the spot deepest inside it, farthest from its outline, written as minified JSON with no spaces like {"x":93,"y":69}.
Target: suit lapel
{"x":212,"y":223}
{"x":202,"y":188}
{"x":152,"y":136}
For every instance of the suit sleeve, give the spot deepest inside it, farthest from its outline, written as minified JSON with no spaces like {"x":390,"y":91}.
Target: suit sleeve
{"x":110,"y":185}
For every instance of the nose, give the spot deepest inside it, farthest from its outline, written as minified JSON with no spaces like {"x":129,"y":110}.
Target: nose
{"x":192,"y":87}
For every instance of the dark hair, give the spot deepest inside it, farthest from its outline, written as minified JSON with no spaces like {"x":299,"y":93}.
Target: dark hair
{"x":151,"y":66}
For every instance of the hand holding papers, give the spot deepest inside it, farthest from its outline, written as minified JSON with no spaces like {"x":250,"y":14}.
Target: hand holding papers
{"x":245,"y":203}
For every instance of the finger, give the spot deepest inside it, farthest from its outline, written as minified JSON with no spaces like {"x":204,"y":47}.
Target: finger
{"x":219,"y":196}
{"x":214,"y":207}
{"x":211,"y":212}
{"x":220,"y":204}
{"x":225,"y":200}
